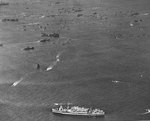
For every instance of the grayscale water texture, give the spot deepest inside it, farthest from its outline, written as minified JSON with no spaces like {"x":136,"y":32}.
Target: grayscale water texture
{"x":101,"y":58}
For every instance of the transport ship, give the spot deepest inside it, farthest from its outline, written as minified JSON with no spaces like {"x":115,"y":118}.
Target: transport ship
{"x":77,"y":111}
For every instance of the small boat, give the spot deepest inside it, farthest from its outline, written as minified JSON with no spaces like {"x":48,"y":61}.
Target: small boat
{"x":77,"y":111}
{"x":28,"y":48}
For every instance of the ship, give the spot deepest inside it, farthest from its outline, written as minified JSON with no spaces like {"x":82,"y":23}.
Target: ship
{"x":77,"y":111}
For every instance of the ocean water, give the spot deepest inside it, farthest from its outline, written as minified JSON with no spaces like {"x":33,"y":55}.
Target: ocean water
{"x":104,"y":65}
{"x":91,"y":75}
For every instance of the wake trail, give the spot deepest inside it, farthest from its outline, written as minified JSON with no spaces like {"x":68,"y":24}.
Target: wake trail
{"x":21,"y":79}
{"x":53,"y":64}
{"x":33,"y":42}
{"x":147,"y":112}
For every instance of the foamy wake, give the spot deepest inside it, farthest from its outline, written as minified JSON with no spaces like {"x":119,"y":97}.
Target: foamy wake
{"x":21,"y":79}
{"x":53,"y":64}
{"x":145,"y":14}
{"x":115,"y":81}
{"x":147,"y":111}
{"x":29,"y":83}
{"x":17,"y":82}
{"x":119,"y":82}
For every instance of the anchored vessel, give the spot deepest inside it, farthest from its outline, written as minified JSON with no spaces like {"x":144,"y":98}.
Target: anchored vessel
{"x":77,"y":111}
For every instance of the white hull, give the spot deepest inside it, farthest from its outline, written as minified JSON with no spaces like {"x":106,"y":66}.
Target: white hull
{"x":75,"y":114}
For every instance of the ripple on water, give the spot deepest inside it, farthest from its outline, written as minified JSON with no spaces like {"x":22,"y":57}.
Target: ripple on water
{"x":48,"y":93}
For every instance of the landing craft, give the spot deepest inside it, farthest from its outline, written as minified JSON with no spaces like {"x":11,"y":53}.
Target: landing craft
{"x":28,"y":48}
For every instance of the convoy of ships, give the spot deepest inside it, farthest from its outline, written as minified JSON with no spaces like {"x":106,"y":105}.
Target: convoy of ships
{"x":77,"y":111}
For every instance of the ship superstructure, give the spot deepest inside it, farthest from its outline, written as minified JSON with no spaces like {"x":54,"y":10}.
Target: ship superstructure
{"x":77,"y":110}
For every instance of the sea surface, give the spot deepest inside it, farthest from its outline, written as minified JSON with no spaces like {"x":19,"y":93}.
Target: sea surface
{"x":105,"y":64}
